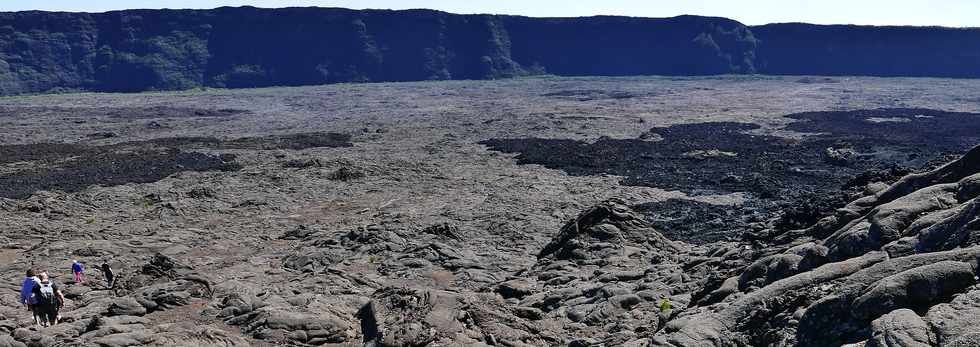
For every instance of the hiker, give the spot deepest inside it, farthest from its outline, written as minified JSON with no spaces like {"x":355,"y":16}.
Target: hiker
{"x":49,"y":300}
{"x":76,"y":268}
{"x":109,"y":275}
{"x":27,"y":293}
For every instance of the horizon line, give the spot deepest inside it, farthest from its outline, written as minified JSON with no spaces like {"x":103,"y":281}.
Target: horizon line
{"x":493,"y":14}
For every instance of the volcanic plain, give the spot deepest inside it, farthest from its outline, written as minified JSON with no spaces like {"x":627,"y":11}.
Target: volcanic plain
{"x":521,"y":212}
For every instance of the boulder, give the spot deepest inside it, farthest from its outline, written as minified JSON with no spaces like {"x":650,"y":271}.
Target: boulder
{"x":517,"y":288}
{"x":603,"y":231}
{"x":724,"y":328}
{"x":76,"y":292}
{"x":890,"y":220}
{"x":9,"y":341}
{"x":396,"y":317}
{"x":305,"y":327}
{"x":959,"y":229}
{"x":189,"y":334}
{"x":769,"y":269}
{"x":899,"y":328}
{"x":954,"y":320}
{"x":128,"y":339}
{"x":969,"y":188}
{"x":830,"y":320}
{"x":126,"y":306}
{"x":967,"y":165}
{"x":917,"y":288}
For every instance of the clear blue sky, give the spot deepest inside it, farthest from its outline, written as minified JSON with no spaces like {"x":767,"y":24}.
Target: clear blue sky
{"x":956,"y":13}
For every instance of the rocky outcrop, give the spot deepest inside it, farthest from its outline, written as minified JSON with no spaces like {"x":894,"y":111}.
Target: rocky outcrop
{"x":902,"y":327}
{"x":897,"y":256}
{"x":603,"y":232}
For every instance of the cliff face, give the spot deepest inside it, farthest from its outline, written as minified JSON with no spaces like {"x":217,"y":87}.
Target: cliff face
{"x":797,"y":48}
{"x":249,"y":47}
{"x":685,"y":45}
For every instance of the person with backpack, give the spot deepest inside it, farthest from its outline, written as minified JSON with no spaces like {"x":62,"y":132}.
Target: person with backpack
{"x":50,"y":300}
{"x":27,"y":293}
{"x":76,"y":268}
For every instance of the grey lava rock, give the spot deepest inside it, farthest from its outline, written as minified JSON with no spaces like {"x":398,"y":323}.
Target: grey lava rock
{"x":126,"y":306}
{"x":901,"y":327}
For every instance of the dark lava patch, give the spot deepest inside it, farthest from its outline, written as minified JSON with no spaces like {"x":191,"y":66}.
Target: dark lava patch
{"x":722,"y":157}
{"x":708,"y":158}
{"x":40,"y":151}
{"x":589,"y":94}
{"x":698,"y":222}
{"x":110,"y":169}
{"x":59,"y":151}
{"x":813,"y":80}
{"x":291,"y":141}
{"x":936,"y":130}
{"x":696,"y":158}
{"x":172,"y":112}
{"x":72,"y":167}
{"x":123,"y":112}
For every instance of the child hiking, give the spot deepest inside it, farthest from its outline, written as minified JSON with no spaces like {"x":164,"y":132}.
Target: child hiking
{"x":76,"y":268}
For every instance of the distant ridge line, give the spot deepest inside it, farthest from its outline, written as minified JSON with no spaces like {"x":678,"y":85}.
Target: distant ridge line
{"x":233,"y":47}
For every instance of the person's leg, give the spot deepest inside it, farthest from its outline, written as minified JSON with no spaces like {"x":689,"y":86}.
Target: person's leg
{"x":33,"y":309}
{"x":43,"y":318}
{"x":78,"y":277}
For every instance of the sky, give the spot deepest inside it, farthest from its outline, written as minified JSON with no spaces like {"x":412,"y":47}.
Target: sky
{"x":951,"y":13}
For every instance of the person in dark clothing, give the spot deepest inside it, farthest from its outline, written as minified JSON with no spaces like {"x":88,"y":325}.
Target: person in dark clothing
{"x":50,"y":300}
{"x":109,"y":275}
